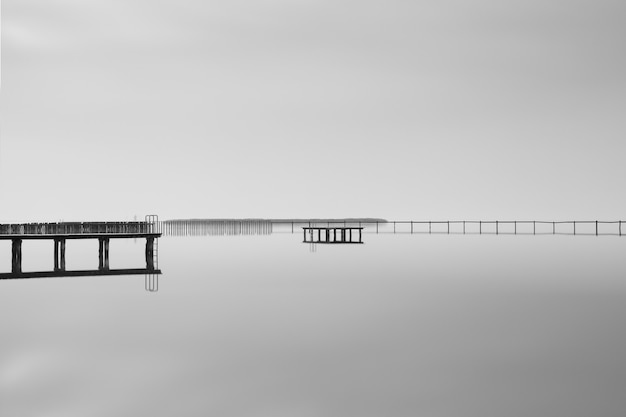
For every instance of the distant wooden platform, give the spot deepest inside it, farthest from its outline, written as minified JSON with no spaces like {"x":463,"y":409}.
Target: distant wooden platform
{"x":332,"y":235}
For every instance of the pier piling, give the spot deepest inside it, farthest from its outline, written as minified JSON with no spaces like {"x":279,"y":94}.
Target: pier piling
{"x":16,"y":258}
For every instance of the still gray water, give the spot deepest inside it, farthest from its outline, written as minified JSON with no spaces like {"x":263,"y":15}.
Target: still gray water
{"x":403,"y":325}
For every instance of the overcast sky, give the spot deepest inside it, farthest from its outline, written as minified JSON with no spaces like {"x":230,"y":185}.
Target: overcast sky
{"x":452,"y":109}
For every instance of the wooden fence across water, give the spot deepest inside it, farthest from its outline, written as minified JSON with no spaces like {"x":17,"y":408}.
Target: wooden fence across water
{"x":495,"y":227}
{"x":215,"y":227}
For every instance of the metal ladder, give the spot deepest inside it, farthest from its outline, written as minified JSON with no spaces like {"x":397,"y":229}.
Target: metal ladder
{"x":152,"y":280}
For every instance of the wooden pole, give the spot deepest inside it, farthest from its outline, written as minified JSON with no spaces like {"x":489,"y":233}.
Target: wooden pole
{"x":497,"y":231}
{"x":463,"y":226}
{"x":149,"y":253}
{"x":106,"y":253}
{"x":429,"y":227}
{"x":534,"y":227}
{"x":411,"y":227}
{"x":56,"y":254}
{"x":448,"y":226}
{"x":62,"y":255}
{"x":480,"y":227}
{"x":100,"y":253}
{"x":596,"y":228}
{"x":16,"y":256}
{"x":574,"y":227}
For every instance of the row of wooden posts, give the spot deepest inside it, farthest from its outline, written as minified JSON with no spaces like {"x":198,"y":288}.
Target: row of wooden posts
{"x":483,"y":223}
{"x":515,"y":223}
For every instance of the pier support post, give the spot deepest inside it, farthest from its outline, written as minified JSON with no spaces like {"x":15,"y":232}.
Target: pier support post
{"x":100,"y":253}
{"x":150,"y":253}
{"x":360,"y":240}
{"x":56,"y":254}
{"x":16,"y":256}
{"x":596,"y":228}
{"x":62,"y":255}
{"x":106,"y":253}
{"x":103,"y":253}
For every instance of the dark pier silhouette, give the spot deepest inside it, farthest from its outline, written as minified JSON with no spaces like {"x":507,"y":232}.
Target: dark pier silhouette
{"x":59,"y":233}
{"x":332,"y":234}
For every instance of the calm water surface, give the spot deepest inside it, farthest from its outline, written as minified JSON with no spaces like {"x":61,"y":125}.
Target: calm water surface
{"x":404,"y":325}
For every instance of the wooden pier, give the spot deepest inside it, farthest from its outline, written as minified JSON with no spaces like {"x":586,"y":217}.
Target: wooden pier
{"x":332,"y":234}
{"x":61,"y":232}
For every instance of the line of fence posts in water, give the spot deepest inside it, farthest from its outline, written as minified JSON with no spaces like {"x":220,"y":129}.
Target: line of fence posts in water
{"x":593,"y":227}
{"x":215,"y":227}
{"x":266,"y":227}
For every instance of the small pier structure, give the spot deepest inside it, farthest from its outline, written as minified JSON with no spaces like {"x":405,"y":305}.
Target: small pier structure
{"x":61,"y":232}
{"x":333,"y":234}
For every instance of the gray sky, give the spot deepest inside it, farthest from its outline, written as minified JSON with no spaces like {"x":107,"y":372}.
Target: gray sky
{"x":397,"y":109}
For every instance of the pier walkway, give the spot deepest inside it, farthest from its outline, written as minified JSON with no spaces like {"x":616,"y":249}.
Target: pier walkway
{"x":61,"y":232}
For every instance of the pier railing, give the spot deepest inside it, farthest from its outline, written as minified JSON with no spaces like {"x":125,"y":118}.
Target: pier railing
{"x":77,"y":228}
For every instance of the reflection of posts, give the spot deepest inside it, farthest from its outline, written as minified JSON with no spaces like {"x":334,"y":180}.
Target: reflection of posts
{"x":152,"y":283}
{"x":103,"y":253}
